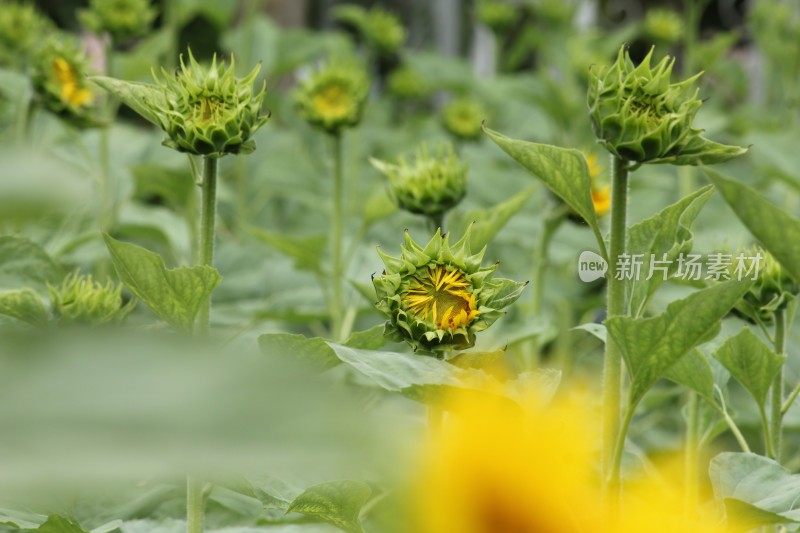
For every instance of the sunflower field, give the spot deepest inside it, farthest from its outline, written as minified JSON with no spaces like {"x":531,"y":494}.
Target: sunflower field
{"x":399,"y":266}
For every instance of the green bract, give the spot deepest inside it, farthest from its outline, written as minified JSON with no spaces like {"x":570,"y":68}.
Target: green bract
{"x":431,"y":186}
{"x":438,"y":297}
{"x":81,"y":300}
{"x":122,"y":19}
{"x":59,"y":79}
{"x":639,"y":116}
{"x":22,"y":28}
{"x":463,"y":117}
{"x":334,"y":97}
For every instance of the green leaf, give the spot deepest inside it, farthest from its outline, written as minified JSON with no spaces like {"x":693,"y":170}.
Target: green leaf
{"x":338,"y":503}
{"x":486,"y":223}
{"x":370,"y":339}
{"x":24,"y":305}
{"x":564,"y":171}
{"x":776,"y":229}
{"x":477,"y":359}
{"x":667,"y":232}
{"x":751,"y":362}
{"x":651,"y":346}
{"x":175,"y":294}
{"x":743,"y":516}
{"x":313,"y":351}
{"x":58,"y":524}
{"x":760,"y":483}
{"x":173,"y":187}
{"x":694,"y":372}
{"x":305,"y":251}
{"x":24,"y":263}
{"x":143,"y":98}
{"x":596,"y":330}
{"x":701,"y":151}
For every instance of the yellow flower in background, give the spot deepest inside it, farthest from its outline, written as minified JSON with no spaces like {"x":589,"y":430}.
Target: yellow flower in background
{"x":601,"y":199}
{"x":71,"y":92}
{"x":333,"y":98}
{"x":495,"y":469}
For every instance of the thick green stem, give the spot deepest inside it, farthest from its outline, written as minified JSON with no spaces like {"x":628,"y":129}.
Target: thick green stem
{"x":612,"y":362}
{"x":337,"y":229}
{"x":208,"y":214}
{"x":691,"y":453}
{"x":195,"y":506}
{"x":776,"y":393}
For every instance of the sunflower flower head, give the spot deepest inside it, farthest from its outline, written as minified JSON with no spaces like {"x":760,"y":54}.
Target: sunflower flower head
{"x":82,"y":300}
{"x":122,"y":19}
{"x":431,"y":185}
{"x":22,"y":27}
{"x":439,"y":296}
{"x":640,"y":117}
{"x":462,"y":118}
{"x":334,"y":97}
{"x":59,"y":78}
{"x":208,"y":110}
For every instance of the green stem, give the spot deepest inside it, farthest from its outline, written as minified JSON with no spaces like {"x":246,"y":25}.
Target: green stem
{"x":691,"y":453}
{"x":541,"y":260}
{"x":337,"y":229}
{"x":107,"y":216}
{"x":614,"y":439}
{"x":776,"y":393}
{"x":769,"y":446}
{"x":208,"y":212}
{"x":195,"y":506}
{"x":613,"y":481}
{"x":436,"y":222}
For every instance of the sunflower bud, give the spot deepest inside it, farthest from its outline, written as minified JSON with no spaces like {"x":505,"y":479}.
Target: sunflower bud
{"x":431,"y":186}
{"x":379,"y":29}
{"x":334,"y":97}
{"x":22,"y":27}
{"x":639,"y":116}
{"x":209,"y":111}
{"x":122,"y":19}
{"x":59,"y":79}
{"x":662,"y":26}
{"x":773,"y":289}
{"x":407,"y":84}
{"x":81,"y":300}
{"x":462,"y":118}
{"x":497,"y":15}
{"x":438,"y":297}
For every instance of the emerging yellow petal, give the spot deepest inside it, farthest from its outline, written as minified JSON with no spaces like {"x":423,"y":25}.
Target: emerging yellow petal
{"x":443,"y":297}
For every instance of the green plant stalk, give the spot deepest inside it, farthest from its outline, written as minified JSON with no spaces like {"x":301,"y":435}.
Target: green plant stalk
{"x":208,"y":213}
{"x":551,"y":224}
{"x":195,"y":506}
{"x":776,"y":392}
{"x":337,"y":229}
{"x":613,"y":489}
{"x":613,"y":438}
{"x":769,"y":446}
{"x":692,"y":453}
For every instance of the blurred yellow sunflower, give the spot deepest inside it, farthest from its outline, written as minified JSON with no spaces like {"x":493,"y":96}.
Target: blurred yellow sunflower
{"x":71,"y":90}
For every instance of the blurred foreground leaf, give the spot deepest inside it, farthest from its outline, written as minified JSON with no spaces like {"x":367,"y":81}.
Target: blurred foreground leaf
{"x":338,"y":503}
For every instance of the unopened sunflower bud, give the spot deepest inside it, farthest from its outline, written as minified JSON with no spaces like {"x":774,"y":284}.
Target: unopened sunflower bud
{"x":81,"y":300}
{"x":772,"y":290}
{"x":122,"y":19}
{"x":59,"y":79}
{"x":497,"y":15}
{"x":334,"y":97}
{"x":22,"y":28}
{"x":663,"y":26}
{"x":462,"y":118}
{"x":405,"y":83}
{"x":640,"y":117}
{"x":438,"y":297}
{"x":209,"y":111}
{"x":380,"y":29}
{"x":431,"y":185}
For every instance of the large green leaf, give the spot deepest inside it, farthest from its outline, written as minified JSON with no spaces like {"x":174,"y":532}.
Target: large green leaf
{"x":24,"y":263}
{"x":693,"y":372}
{"x":175,"y":294}
{"x":58,"y":524}
{"x":778,"y":231}
{"x":651,"y":346}
{"x":24,"y":305}
{"x":662,"y":237}
{"x":752,"y":363}
{"x":486,"y":223}
{"x":758,"y":482}
{"x":141,"y":97}
{"x":313,"y":351}
{"x":305,"y":251}
{"x":564,"y":171}
{"x":338,"y":503}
